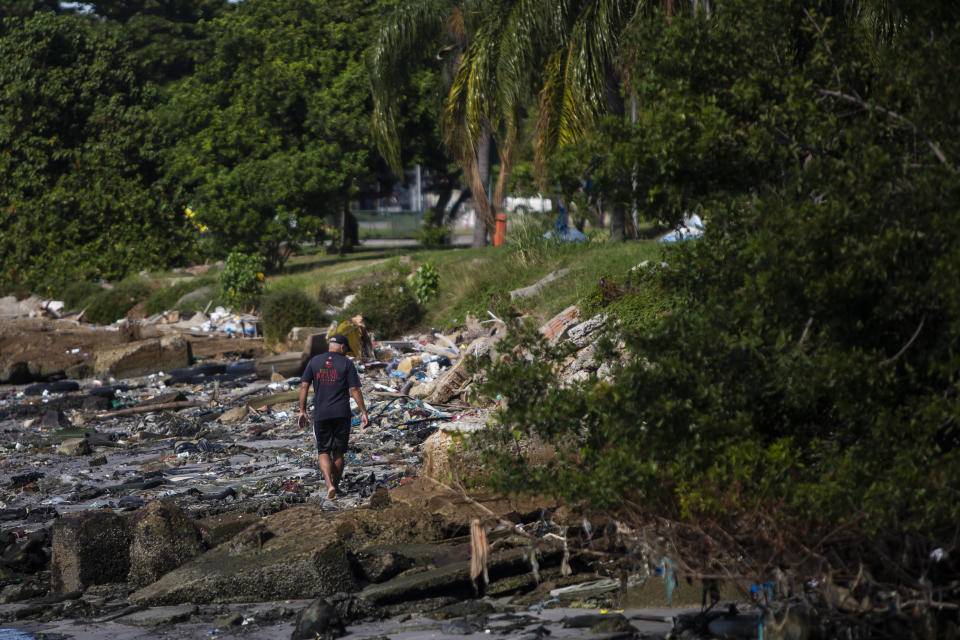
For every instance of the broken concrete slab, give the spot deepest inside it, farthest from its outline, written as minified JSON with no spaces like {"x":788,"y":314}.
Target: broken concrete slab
{"x":583,"y":333}
{"x":144,"y":357}
{"x":534,"y":289}
{"x":162,"y":538}
{"x":289,"y":365}
{"x":157,"y":616}
{"x":557,"y":327}
{"x":449,"y":580}
{"x":89,"y":548}
{"x":74,"y":447}
{"x":304,"y":558}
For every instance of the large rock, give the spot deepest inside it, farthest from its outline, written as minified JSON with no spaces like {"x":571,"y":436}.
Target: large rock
{"x":303,"y":558}
{"x":162,"y":538}
{"x":301,"y":552}
{"x":218,"y":529}
{"x":144,"y":357}
{"x":318,"y":620}
{"x":197,"y":297}
{"x":586,"y":332}
{"x":74,"y":447}
{"x":450,"y":580}
{"x":448,"y":455}
{"x":25,"y":558}
{"x":91,"y":547}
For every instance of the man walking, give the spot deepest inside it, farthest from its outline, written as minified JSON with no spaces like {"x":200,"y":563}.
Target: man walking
{"x":334,"y":377}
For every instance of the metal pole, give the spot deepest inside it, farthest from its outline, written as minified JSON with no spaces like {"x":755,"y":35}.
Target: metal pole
{"x":419,"y":198}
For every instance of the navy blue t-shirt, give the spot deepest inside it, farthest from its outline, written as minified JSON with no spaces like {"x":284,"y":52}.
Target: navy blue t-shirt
{"x":332,"y":375}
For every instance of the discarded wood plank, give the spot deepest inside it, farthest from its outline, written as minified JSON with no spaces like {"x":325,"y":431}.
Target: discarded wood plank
{"x":448,"y":341}
{"x":288,"y":365}
{"x":440,"y":351}
{"x":208,"y":346}
{"x":277,"y":398}
{"x":185,"y":404}
{"x":534,"y":289}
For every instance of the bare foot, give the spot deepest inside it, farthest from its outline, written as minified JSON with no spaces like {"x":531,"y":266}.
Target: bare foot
{"x":331,"y":493}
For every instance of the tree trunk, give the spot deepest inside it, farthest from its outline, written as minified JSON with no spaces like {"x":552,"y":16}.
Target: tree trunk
{"x":444,"y":195}
{"x":617,"y":223}
{"x":349,"y":231}
{"x":481,"y":189}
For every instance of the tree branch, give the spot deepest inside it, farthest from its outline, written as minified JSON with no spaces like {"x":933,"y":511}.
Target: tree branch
{"x":906,"y":346}
{"x":846,"y":97}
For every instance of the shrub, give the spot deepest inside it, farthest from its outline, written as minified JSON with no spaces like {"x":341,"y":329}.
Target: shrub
{"x":241,"y":281}
{"x":79,"y":294}
{"x":284,"y":310}
{"x":425,"y":282}
{"x":433,"y":233}
{"x":112,"y":304}
{"x":165,"y":298}
{"x":389,"y":307}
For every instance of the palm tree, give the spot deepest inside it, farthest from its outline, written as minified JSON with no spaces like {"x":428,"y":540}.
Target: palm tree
{"x":503,"y":56}
{"x":452,"y":28}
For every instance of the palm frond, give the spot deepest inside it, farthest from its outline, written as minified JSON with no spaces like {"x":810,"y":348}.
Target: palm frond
{"x":554,"y":100}
{"x":401,"y":37}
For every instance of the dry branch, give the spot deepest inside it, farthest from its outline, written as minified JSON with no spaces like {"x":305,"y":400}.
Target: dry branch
{"x":184,"y":404}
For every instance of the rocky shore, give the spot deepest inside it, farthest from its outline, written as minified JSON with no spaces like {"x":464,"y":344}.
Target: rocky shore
{"x":175,"y":495}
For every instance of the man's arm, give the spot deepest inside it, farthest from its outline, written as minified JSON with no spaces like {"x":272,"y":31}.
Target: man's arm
{"x":358,"y":398}
{"x":303,"y":419}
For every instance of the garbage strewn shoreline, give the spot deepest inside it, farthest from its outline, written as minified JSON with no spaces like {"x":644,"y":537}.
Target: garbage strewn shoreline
{"x":198,"y":485}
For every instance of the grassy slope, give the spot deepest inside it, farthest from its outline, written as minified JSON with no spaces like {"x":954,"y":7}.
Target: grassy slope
{"x":471,"y":280}
{"x":477,"y":280}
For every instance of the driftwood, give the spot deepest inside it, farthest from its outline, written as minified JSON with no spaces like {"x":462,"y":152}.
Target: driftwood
{"x":150,"y":407}
{"x":535,"y":288}
{"x":277,"y":398}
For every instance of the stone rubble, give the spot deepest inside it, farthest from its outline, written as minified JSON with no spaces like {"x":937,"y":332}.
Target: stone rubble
{"x":163,"y":498}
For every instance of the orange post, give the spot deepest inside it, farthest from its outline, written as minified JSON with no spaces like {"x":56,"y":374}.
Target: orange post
{"x":500,"y":230}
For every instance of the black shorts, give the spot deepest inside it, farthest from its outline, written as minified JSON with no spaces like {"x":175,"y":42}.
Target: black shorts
{"x":331,"y":434}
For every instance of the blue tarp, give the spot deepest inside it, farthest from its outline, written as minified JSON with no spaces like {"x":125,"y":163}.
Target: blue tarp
{"x":563,"y":231}
{"x":692,"y":228}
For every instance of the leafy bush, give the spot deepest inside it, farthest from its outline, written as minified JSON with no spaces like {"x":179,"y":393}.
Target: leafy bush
{"x":79,"y":294}
{"x":425,"y":282}
{"x":433,"y":233}
{"x":808,"y":369}
{"x":165,"y":298}
{"x":112,"y":304}
{"x":284,"y":310}
{"x":433,"y":236}
{"x":388,"y":306}
{"x":241,"y":280}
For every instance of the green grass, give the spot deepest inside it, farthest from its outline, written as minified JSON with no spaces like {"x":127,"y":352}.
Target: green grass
{"x":474,"y":280}
{"x":470,"y":280}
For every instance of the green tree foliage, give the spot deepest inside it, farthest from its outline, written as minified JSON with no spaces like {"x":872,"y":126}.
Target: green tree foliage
{"x":241,"y":280}
{"x":284,"y":310}
{"x":810,"y":369}
{"x":272,"y":128}
{"x":79,"y":186}
{"x":388,"y":306}
{"x":109,"y":305}
{"x":165,"y":37}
